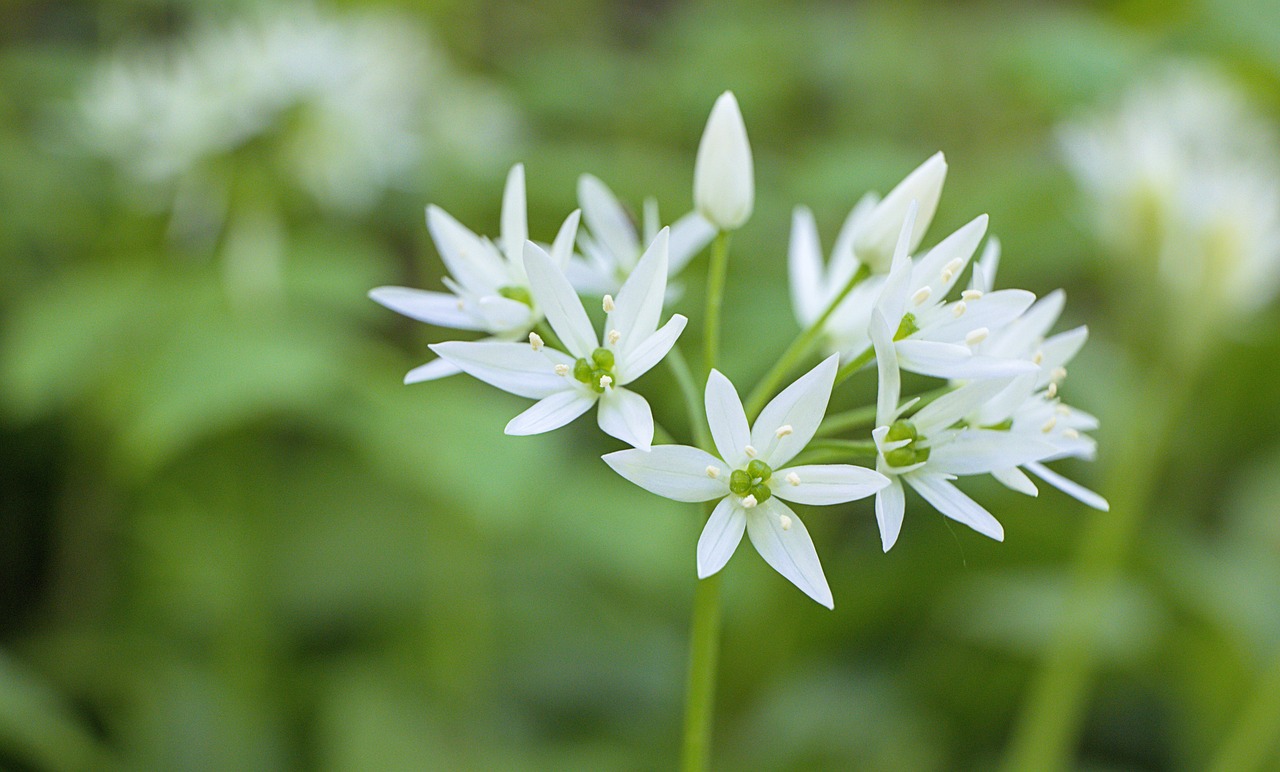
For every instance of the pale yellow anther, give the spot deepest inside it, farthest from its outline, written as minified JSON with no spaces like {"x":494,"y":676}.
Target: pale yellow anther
{"x":562,"y":369}
{"x":614,"y":337}
{"x":958,"y":309}
{"x":1038,"y":358}
{"x":1052,"y":391}
{"x":947,"y":275}
{"x":977,"y":336}
{"x":608,"y":304}
{"x":750,"y":451}
{"x":1058,"y":373}
{"x":784,"y":430}
{"x":749,"y":501}
{"x":1063,"y":410}
{"x":462,"y":305}
{"x":1071,"y":434}
{"x":793,"y":478}
{"x":713,"y":472}
{"x":535,"y":341}
{"x":921,"y":295}
{"x":605,"y":381}
{"x":785,"y":522}
{"x":954,"y":266}
{"x":1048,"y":425}
{"x":971,"y":294}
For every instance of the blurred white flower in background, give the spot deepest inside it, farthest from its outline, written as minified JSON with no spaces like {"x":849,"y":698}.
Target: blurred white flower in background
{"x":1185,"y":173}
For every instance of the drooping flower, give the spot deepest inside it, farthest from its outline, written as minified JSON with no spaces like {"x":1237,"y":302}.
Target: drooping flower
{"x":751,"y":478}
{"x":566,"y":385}
{"x":488,"y":288}
{"x":611,"y":245}
{"x":723,"y":178}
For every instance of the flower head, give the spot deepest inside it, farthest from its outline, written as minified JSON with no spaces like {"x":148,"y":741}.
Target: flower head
{"x":751,"y":477}
{"x":878,"y":234}
{"x":723,"y":179}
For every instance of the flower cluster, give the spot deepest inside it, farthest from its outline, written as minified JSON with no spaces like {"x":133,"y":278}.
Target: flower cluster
{"x":880,"y":299}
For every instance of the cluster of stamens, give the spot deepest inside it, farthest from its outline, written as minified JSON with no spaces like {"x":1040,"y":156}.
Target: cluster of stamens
{"x":909,"y":454}
{"x":596,"y":372}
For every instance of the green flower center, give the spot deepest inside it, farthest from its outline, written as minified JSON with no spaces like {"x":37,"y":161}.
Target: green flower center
{"x":906,"y":327}
{"x":596,"y":372}
{"x":752,"y":481}
{"x":912,"y":452}
{"x":514,"y":292}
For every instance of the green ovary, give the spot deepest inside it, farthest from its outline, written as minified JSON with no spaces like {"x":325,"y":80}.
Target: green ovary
{"x":752,"y":481}
{"x":590,"y":371}
{"x":909,"y":454}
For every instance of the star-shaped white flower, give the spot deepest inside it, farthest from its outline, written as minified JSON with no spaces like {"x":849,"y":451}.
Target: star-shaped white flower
{"x":751,"y":477}
{"x":488,"y":288}
{"x":611,"y":245}
{"x":566,"y":385}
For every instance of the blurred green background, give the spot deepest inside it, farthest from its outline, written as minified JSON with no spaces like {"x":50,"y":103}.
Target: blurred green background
{"x":231,"y":539}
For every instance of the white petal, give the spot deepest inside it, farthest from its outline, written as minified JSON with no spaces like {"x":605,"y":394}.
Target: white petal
{"x":639,"y":302}
{"x":800,"y":406}
{"x":608,"y":221}
{"x":559,"y":302}
{"x":995,"y":311}
{"x":689,"y":235}
{"x":437,"y":368}
{"x":1021,"y":337}
{"x":552,"y":412}
{"x":953,"y":361}
{"x":513,"y":367}
{"x":589,"y":279}
{"x":984,"y":271}
{"x":876,"y":241}
{"x":891,"y":504}
{"x":471,"y":260}
{"x":955,"y":405}
{"x":804,"y":266}
{"x":979,"y":451}
{"x":437,"y":308}
{"x":727,"y":420}
{"x":789,"y":550}
{"x":562,"y":248}
{"x":676,"y":472}
{"x":626,"y":415}
{"x":1015,"y":479}
{"x":897,"y":286}
{"x":1073,"y":489}
{"x":952,"y":502}
{"x":844,"y":263}
{"x":960,"y":245}
{"x":723,"y":177}
{"x":890,"y":380}
{"x":504,"y":314}
{"x":827,"y":483}
{"x":651,"y":351}
{"x":720,"y":536}
{"x":515,"y":226}
{"x":1059,"y":350}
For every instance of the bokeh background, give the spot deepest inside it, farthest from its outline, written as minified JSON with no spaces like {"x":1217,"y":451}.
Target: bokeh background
{"x":231,"y":539}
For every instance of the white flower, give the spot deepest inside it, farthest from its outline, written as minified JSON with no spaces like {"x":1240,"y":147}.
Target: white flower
{"x":567,"y":385}
{"x":489,"y":291}
{"x":929,"y":450}
{"x":935,"y":337}
{"x":750,"y":477}
{"x":611,"y":246}
{"x":878,"y":235}
{"x":723,"y":179}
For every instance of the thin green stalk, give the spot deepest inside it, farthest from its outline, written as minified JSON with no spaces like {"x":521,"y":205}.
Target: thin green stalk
{"x":716,"y":272}
{"x":692,"y":401}
{"x":849,"y":419}
{"x":1257,"y":733}
{"x":799,"y":347}
{"x":854,"y":365}
{"x":704,"y":649}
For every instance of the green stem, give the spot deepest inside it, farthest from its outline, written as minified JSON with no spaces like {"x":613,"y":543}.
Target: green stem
{"x":716,"y":271}
{"x":799,"y":347}
{"x":704,"y":646}
{"x":1257,"y":733}
{"x":854,"y":365}
{"x":692,"y":402}
{"x":841,"y":450}
{"x":849,"y":419}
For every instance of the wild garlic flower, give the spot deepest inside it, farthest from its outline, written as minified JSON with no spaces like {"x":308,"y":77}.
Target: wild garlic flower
{"x":877,"y":236}
{"x":724,"y":187}
{"x":488,"y":288}
{"x":752,"y":480}
{"x":611,"y":245}
{"x":566,"y":385}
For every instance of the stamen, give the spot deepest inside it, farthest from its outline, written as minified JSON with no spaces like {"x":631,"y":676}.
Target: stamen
{"x":971,"y":294}
{"x":1038,"y":358}
{"x":958,"y":309}
{"x":1071,"y":434}
{"x":535,"y":341}
{"x":954,"y":266}
{"x":713,"y":472}
{"x":977,"y":336}
{"x":462,"y":305}
{"x":793,"y":478}
{"x":614,"y":337}
{"x":749,"y":501}
{"x":784,"y":430}
{"x":921,"y":295}
{"x":1063,"y":410}
{"x":562,"y":369}
{"x":608,"y":304}
{"x":1048,"y":425}
{"x":750,"y":451}
{"x":785,"y":522}
{"x":947,"y":275}
{"x":605,"y":381}
{"x":1058,"y":373}
{"x":1052,"y":391}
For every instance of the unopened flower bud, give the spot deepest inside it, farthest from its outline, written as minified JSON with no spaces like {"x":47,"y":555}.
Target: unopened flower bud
{"x":723,"y":180}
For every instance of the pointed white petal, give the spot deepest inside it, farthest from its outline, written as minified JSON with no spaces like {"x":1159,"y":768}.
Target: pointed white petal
{"x":727,"y":420}
{"x":804,"y":267}
{"x":437,"y":368}
{"x":436,"y":308}
{"x":723,"y":177}
{"x":471,"y":260}
{"x":1015,"y":479}
{"x":608,"y":221}
{"x":984,"y":271}
{"x":626,"y":415}
{"x":891,"y":504}
{"x":928,"y":271}
{"x":897,"y":287}
{"x":890,"y":380}
{"x":552,"y":291}
{"x":1059,"y":350}
{"x":979,"y":451}
{"x":995,"y":311}
{"x":799,"y":406}
{"x":875,"y":243}
{"x":720,"y":536}
{"x":953,"y":361}
{"x":589,"y":279}
{"x":676,"y":472}
{"x":955,"y":405}
{"x":826,"y":483}
{"x":650,"y":352}
{"x":552,"y":412}
{"x":844,"y":262}
{"x":513,"y":367}
{"x":562,"y":247}
{"x":689,"y":235}
{"x":789,"y":550}
{"x":1021,"y":337}
{"x":515,"y":226}
{"x":1073,"y":489}
{"x":952,"y":502}
{"x":504,"y":314}
{"x":639,"y":302}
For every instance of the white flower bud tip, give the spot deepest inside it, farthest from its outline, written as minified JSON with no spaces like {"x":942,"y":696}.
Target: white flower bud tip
{"x":749,"y":501}
{"x":723,"y":179}
{"x":614,"y":337}
{"x":751,"y":451}
{"x":793,"y":478}
{"x":971,"y":294}
{"x":535,"y":341}
{"x":562,"y":369}
{"x":784,"y":430}
{"x":605,"y":381}
{"x":1048,"y":425}
{"x":977,"y":336}
{"x":713,"y":472}
{"x":785,"y":522}
{"x":958,"y":309}
{"x":921,"y":295}
{"x":608,"y":304}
